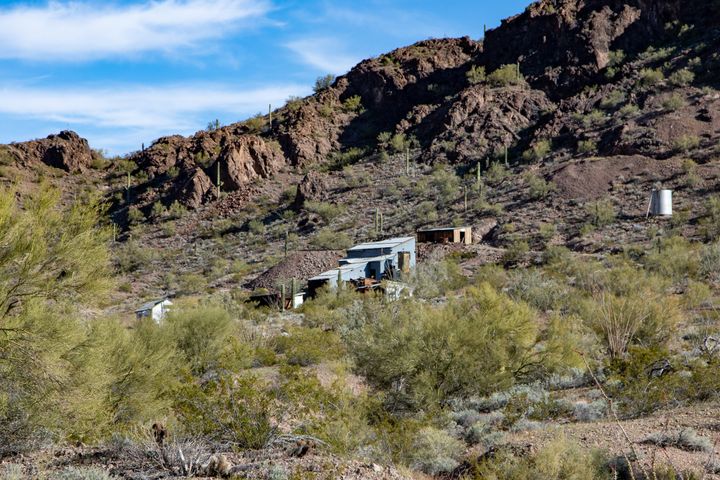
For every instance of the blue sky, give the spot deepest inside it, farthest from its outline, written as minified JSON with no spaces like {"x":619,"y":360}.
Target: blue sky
{"x":122,"y":73}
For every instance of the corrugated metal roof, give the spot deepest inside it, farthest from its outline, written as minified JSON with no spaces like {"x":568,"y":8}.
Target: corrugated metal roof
{"x":442,"y":229}
{"x":334,"y":272}
{"x":361,"y":260}
{"x":152,"y":304}
{"x":391,"y":243}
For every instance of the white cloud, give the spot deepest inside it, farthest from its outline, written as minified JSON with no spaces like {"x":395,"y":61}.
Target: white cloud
{"x":124,"y":111}
{"x":90,"y":30}
{"x":323,"y":54}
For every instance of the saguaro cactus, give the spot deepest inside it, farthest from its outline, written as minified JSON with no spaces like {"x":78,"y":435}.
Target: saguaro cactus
{"x":127,"y":188}
{"x":219,"y":182}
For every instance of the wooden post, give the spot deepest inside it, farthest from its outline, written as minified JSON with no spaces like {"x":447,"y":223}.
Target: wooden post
{"x":282,"y":297}
{"x":293,"y":292}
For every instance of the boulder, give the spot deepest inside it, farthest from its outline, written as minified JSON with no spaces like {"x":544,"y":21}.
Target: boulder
{"x":196,"y":190}
{"x":246,"y":159}
{"x":314,"y":187}
{"x":66,"y":150}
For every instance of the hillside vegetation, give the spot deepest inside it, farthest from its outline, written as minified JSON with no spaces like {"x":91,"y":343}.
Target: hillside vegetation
{"x":575,"y":339}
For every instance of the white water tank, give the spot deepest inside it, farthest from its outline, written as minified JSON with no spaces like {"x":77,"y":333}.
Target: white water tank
{"x":662,"y":203}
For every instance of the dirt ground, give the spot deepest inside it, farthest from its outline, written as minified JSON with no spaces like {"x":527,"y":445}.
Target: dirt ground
{"x":608,"y":436}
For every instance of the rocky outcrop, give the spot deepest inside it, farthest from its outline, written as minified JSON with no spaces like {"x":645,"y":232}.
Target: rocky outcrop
{"x":66,"y":150}
{"x":560,"y":45}
{"x":245,"y":159}
{"x":195,"y":190}
{"x":314,"y":187}
{"x":481,"y":121}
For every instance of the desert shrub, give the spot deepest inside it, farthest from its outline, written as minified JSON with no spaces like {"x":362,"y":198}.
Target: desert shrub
{"x":643,"y":317}
{"x":629,"y":111}
{"x":515,"y":252}
{"x":472,"y":346}
{"x":176,"y":210}
{"x":329,"y":308}
{"x":505,"y":76}
{"x":673,"y":102}
{"x":191,"y":283}
{"x":327,"y":239}
{"x":536,"y":289}
{"x":587,"y":147}
{"x":476,"y":75}
{"x":555,"y":254}
{"x":559,"y":460}
{"x":600,"y":213}
{"x":323,"y":83}
{"x":590,"y":412}
{"x":685,"y":143}
{"x":435,"y":279}
{"x":399,"y":142}
{"x":674,"y":258}
{"x":651,"y":77}
{"x":255,"y":123}
{"x":686,"y":439}
{"x":327,"y":211}
{"x":653,"y":54}
{"x":229,"y":410}
{"x":696,"y":294}
{"x":294,"y":103}
{"x":309,"y":346}
{"x":81,"y":473}
{"x":201,"y":336}
{"x":711,"y":221}
{"x":158,"y":210}
{"x":135,"y":216}
{"x":592,"y":119}
{"x":383,"y":139}
{"x":131,"y":256}
{"x":256,"y":227}
{"x":547,"y":231}
{"x":539,"y":151}
{"x":435,"y":451}
{"x":339,"y":160}
{"x":496,"y":173}
{"x":612,"y":100}
{"x":426,"y":212}
{"x":353,"y":104}
{"x":682,"y":77}
{"x":615,"y":58}
{"x":538,"y":187}
{"x":709,"y":262}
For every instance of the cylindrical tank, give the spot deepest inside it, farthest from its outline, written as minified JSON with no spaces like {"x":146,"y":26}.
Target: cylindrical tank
{"x":662,"y":203}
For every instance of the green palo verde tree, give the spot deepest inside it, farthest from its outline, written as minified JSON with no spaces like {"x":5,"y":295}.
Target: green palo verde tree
{"x":50,"y":254}
{"x":51,"y":259}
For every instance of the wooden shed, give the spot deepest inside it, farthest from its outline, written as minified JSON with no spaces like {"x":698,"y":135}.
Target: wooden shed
{"x":461,"y":235}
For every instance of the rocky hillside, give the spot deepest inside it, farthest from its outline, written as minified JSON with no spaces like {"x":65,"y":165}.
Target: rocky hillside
{"x":573,"y":111}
